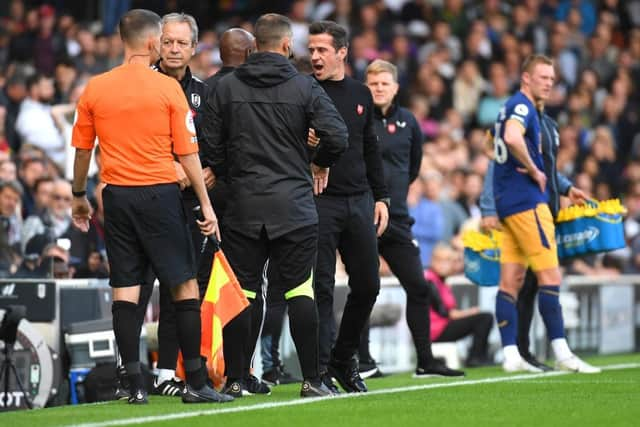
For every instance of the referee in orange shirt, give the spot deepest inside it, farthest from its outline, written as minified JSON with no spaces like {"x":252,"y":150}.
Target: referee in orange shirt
{"x":141,"y":118}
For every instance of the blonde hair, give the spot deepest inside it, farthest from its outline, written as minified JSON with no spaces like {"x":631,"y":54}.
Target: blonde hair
{"x":379,"y":66}
{"x":532,"y":60}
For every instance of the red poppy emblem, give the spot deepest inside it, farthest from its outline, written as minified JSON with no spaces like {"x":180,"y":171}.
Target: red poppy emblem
{"x":391,"y":128}
{"x":360,"y":109}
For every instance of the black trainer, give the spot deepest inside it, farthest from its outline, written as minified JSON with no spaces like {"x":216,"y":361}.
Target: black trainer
{"x":531,"y":360}
{"x":121,"y":384}
{"x":254,"y":386}
{"x":235,"y":388}
{"x":171,"y":387}
{"x":347,"y":375}
{"x":478,"y":362}
{"x":368,"y":368}
{"x":328,"y":382}
{"x":315,"y":389}
{"x":138,"y":397}
{"x":436,"y":369}
{"x":205,"y":394}
{"x":278,"y":375}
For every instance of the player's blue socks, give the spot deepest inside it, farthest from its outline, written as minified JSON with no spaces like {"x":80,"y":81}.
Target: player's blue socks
{"x":507,"y":318}
{"x":551,"y":311}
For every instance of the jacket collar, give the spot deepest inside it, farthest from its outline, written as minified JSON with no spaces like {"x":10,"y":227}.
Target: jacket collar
{"x":392,"y":110}
{"x":185,"y":79}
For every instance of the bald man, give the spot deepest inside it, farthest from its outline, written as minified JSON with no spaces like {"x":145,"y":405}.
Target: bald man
{"x":236,"y":44}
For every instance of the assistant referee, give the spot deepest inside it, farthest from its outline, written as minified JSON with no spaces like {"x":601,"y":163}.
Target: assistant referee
{"x":141,"y":118}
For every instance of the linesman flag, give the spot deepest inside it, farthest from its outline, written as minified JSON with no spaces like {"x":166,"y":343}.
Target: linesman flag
{"x":223,"y":300}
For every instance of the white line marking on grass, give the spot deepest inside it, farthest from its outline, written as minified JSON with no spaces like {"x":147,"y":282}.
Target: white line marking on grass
{"x":270,"y":405}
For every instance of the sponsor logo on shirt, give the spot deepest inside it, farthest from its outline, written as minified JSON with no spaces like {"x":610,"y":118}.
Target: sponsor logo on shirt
{"x":188,"y":122}
{"x":360,"y":109}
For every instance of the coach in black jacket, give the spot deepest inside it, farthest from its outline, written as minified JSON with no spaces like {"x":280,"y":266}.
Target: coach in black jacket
{"x":401,"y":141}
{"x":256,"y":126}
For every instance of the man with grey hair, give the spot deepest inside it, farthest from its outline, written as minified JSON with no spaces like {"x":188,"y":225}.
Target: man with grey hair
{"x":177,"y":47}
{"x":256,"y":125}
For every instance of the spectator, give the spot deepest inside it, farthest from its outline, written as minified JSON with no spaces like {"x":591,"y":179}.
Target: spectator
{"x":470,"y":197}
{"x":10,"y":192}
{"x":87,"y":62}
{"x":458,"y":323}
{"x":36,"y":108}
{"x":31,"y":266}
{"x":15,"y":91}
{"x":55,"y":220}
{"x":467,"y":88}
{"x":437,"y":219}
{"x":48,"y":44}
{"x":7,"y":170}
{"x":65,"y":76}
{"x":491,"y":103}
{"x":31,"y":167}
{"x":43,"y":189}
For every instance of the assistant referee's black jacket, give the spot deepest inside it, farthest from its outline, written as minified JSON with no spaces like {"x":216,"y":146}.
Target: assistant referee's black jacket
{"x":401,"y":145}
{"x":256,"y":126}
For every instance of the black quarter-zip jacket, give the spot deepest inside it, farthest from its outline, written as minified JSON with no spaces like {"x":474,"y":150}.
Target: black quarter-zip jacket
{"x":401,"y":144}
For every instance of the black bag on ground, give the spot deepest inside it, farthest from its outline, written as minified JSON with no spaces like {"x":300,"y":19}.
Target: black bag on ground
{"x":99,"y":384}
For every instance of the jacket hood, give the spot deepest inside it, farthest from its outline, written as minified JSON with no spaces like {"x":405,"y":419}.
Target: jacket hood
{"x":265,"y":69}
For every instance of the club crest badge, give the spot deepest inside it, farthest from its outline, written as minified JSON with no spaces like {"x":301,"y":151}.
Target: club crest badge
{"x":391,"y":128}
{"x":360,"y":109}
{"x":195,"y":100}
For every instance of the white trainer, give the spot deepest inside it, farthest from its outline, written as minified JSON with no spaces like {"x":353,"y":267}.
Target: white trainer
{"x":519,"y":365}
{"x":575,"y":364}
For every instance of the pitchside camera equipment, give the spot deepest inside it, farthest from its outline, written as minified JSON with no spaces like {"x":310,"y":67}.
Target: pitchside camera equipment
{"x":8,"y":334}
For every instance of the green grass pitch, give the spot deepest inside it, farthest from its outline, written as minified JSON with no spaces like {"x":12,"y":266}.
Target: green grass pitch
{"x":485,"y":397}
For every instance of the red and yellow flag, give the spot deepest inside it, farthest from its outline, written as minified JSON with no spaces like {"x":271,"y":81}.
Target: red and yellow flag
{"x":223,"y":300}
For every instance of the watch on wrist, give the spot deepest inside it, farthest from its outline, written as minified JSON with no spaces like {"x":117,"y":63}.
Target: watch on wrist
{"x":79,"y":193}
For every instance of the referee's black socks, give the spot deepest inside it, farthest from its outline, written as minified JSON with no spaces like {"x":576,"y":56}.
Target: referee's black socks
{"x":128,"y":338}
{"x":188,"y":328}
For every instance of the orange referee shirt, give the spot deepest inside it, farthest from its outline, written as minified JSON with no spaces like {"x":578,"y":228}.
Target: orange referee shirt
{"x":140,"y":118}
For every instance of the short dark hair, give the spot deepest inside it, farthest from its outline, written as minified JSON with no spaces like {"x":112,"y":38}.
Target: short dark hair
{"x":270,"y":29}
{"x":337,"y":32}
{"x":40,"y":181}
{"x":34,"y":79}
{"x":137,"y":23}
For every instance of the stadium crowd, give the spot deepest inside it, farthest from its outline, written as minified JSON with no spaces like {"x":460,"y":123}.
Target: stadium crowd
{"x":458,"y":61}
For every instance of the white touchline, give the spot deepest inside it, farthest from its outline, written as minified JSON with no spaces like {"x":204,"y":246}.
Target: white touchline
{"x":268,"y":405}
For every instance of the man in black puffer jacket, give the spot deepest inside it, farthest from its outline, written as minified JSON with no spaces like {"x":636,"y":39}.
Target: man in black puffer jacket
{"x":256,"y":127}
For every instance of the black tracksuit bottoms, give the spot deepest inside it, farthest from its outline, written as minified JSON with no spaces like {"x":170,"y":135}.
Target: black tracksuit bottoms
{"x":345,"y":224}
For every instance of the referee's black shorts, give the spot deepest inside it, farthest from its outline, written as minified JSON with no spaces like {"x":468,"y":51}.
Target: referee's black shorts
{"x":146,"y":226}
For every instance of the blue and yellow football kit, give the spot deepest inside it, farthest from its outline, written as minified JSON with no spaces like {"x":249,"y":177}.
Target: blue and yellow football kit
{"x":529,"y":233}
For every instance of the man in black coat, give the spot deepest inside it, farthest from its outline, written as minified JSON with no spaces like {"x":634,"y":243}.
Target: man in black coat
{"x":256,"y":126}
